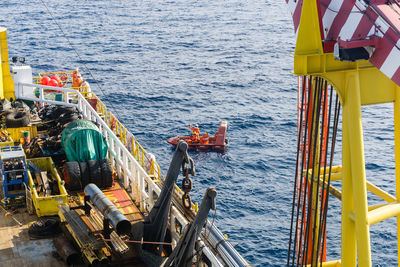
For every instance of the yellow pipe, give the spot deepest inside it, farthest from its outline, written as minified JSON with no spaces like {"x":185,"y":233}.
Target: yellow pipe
{"x":335,"y":263}
{"x":396,"y":110}
{"x":6,"y":82}
{"x":348,"y":248}
{"x":372,"y":207}
{"x":380,"y":193}
{"x":1,"y":67}
{"x":352,"y":110}
{"x":336,"y":176}
{"x":335,"y":169}
{"x":385,"y":212}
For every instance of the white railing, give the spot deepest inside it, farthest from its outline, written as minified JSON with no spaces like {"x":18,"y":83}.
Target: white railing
{"x":143,"y":188}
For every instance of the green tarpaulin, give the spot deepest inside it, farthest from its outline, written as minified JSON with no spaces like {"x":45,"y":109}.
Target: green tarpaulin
{"x":82,"y":141}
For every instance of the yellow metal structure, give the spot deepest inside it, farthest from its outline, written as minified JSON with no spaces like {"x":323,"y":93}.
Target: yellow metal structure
{"x":6,"y":82}
{"x":357,"y":83}
{"x":10,"y":142}
{"x":47,"y":206}
{"x":17,"y":133}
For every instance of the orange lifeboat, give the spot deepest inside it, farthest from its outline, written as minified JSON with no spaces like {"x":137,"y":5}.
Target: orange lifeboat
{"x":206,"y":142}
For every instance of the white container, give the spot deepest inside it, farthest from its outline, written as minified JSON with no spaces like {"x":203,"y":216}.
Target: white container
{"x":23,"y":74}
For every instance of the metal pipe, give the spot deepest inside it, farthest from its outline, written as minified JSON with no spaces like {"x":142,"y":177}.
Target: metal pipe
{"x":210,"y":256}
{"x":66,"y":250}
{"x":119,"y":222}
{"x":117,"y":242}
{"x":227,"y":252}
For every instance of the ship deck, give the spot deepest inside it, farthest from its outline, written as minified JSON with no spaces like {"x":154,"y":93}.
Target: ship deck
{"x":16,"y":247}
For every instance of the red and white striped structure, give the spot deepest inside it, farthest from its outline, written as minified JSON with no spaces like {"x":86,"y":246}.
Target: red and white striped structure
{"x":374,"y":24}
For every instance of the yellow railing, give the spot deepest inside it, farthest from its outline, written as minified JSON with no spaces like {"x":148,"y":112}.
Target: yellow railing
{"x":125,"y":137}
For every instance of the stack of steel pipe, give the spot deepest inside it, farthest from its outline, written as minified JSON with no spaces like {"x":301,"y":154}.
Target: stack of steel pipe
{"x":118,"y":221}
{"x":118,"y":244}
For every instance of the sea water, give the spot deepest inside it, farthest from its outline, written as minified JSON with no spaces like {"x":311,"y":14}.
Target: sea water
{"x":162,"y":65}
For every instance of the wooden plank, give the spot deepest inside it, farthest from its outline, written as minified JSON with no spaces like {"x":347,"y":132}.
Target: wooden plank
{"x":39,"y":182}
{"x":46,"y":184}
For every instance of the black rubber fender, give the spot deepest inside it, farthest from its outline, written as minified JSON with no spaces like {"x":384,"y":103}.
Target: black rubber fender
{"x":57,"y":112}
{"x":17,"y":119}
{"x":106,"y":172}
{"x":85,"y":174}
{"x":74,"y":175}
{"x":95,"y":173}
{"x":44,"y":228}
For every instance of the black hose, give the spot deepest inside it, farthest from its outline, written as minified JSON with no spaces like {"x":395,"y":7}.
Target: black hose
{"x":297,"y":166}
{"x":301,"y":172}
{"x":303,"y":212}
{"x":316,"y":116}
{"x":336,"y":122}
{"x":324,"y":188}
{"x":306,"y":157}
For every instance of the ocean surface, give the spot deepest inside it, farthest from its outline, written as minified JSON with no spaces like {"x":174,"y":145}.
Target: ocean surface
{"x":162,"y":65}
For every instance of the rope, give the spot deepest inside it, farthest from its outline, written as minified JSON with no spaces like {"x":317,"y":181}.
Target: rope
{"x":336,"y":122}
{"x":303,"y":212}
{"x":315,"y":121}
{"x":301,"y":174}
{"x":80,"y":58}
{"x":321,"y":143}
{"x":297,"y":167}
{"x":324,"y":189}
{"x":318,"y":127}
{"x":136,"y":242}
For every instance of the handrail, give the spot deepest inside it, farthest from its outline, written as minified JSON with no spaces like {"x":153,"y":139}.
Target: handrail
{"x":119,"y":129}
{"x":137,"y":150}
{"x":143,"y":190}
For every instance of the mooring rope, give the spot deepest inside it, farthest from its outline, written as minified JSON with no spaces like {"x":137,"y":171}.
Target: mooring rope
{"x":309,"y":202}
{"x":321,"y":160}
{"x":304,"y":213}
{"x":335,"y":127}
{"x":299,"y":199}
{"x":314,"y":128}
{"x":324,"y":188}
{"x":297,"y":165}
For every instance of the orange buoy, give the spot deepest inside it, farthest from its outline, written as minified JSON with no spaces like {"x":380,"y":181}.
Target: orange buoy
{"x":53,"y":82}
{"x":45,"y":80}
{"x":55,"y":77}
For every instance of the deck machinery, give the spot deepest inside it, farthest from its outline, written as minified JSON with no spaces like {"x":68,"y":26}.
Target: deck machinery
{"x":14,"y":172}
{"x":347,"y":56}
